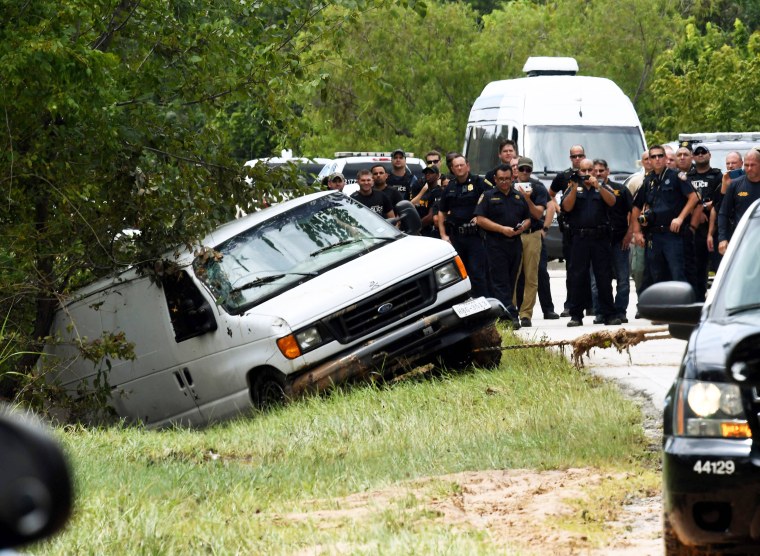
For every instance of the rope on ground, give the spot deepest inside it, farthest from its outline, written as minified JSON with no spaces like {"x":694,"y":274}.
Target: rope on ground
{"x":621,"y":339}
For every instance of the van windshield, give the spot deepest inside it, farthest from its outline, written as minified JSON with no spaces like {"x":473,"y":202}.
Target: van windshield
{"x":549,"y":146}
{"x":289,"y":249}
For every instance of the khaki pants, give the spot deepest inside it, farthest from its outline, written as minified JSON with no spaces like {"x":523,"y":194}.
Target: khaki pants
{"x":531,"y":257}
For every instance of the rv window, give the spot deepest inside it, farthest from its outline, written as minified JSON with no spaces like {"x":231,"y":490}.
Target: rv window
{"x":549,"y":146}
{"x":189,"y":312}
{"x":483,"y":147}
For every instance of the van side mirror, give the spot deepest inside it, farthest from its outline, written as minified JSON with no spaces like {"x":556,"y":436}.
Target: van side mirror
{"x":743,"y":361}
{"x":673,"y":303}
{"x":407,"y":214}
{"x":35,"y":484}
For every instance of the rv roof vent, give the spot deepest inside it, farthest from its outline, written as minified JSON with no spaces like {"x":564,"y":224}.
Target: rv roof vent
{"x":549,"y":65}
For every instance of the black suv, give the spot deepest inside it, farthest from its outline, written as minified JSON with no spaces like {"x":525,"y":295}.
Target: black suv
{"x":711,"y":429}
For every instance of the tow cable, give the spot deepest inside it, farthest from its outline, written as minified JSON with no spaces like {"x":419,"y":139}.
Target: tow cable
{"x":621,"y":339}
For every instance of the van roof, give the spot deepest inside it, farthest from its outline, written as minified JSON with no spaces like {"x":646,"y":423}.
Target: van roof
{"x":555,"y":100}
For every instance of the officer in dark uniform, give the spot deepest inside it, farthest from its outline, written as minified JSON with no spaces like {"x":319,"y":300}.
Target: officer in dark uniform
{"x":507,"y":151}
{"x":456,"y":222}
{"x":586,"y":203}
{"x":741,"y":193}
{"x":504,"y":215}
{"x":427,"y":206}
{"x":559,"y":185}
{"x":379,"y":179}
{"x":619,"y":215}
{"x":662,"y":204}
{"x":401,"y":178}
{"x":707,"y":182}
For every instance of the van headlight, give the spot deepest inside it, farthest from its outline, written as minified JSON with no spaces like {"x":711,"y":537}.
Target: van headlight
{"x":309,"y":338}
{"x":710,"y":409}
{"x":450,"y":273}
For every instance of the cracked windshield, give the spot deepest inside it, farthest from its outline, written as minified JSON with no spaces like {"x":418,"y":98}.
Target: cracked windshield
{"x":289,"y":249}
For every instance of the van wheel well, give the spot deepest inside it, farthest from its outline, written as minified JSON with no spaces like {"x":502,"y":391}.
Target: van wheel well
{"x":269,"y":388}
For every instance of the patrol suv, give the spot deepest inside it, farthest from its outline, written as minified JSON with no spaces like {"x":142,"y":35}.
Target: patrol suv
{"x":349,"y":164}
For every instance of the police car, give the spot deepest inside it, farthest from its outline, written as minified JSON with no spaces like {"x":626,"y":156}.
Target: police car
{"x":349,"y":164}
{"x":308,"y":168}
{"x":720,"y":144}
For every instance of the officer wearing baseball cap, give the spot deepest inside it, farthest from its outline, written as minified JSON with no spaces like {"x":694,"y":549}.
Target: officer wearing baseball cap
{"x":401,"y":178}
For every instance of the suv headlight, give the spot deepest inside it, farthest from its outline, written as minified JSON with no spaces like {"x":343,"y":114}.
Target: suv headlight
{"x":450,"y":273}
{"x":710,"y":409}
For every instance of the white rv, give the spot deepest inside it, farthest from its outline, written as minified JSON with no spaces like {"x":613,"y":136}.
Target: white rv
{"x":287,"y":300}
{"x":547,"y":112}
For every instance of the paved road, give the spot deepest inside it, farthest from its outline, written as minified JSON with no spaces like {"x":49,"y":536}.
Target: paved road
{"x":652,"y":365}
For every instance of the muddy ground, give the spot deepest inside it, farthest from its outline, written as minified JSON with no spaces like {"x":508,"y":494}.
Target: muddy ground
{"x":530,"y":512}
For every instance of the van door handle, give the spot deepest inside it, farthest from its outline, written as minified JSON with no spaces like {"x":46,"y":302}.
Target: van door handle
{"x":189,"y":382}
{"x":179,"y":380}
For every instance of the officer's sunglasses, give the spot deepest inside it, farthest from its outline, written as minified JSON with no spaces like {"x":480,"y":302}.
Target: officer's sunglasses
{"x":657,"y":155}
{"x":436,"y":161}
{"x":577,"y":155}
{"x":525,"y":169}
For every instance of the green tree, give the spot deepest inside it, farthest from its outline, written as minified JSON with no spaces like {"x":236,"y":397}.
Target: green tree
{"x":395,"y":78}
{"x":111,"y":117}
{"x":707,"y":83}
{"x":404,"y":80}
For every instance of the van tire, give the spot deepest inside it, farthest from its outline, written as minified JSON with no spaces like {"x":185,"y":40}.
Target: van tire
{"x":462,"y":355}
{"x":486,"y":338}
{"x":269,"y":389}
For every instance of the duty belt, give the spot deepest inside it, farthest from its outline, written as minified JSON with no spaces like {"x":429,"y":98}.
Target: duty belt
{"x":468,"y":229}
{"x":591,"y":232}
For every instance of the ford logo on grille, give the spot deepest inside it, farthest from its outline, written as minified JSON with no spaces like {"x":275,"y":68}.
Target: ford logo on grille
{"x":385,"y":308}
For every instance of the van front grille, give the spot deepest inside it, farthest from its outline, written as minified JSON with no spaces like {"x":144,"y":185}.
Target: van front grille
{"x":385,"y":307}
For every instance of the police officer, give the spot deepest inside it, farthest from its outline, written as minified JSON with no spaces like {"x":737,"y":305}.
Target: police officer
{"x":706,"y":181}
{"x":504,"y":215}
{"x":586,"y":203}
{"x":427,"y":206}
{"x":401,"y":178}
{"x":456,"y":221}
{"x":559,"y":185}
{"x":619,"y":215}
{"x":741,"y":193}
{"x":379,"y":179}
{"x":507,"y":152}
{"x":536,"y":197}
{"x":664,"y":201}
{"x":376,"y":201}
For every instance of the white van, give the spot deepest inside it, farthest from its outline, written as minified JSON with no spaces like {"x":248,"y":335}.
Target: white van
{"x":285,"y":301}
{"x":547,"y":112}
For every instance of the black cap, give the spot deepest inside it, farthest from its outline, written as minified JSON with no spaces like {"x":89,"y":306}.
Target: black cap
{"x":685,"y":145}
{"x":398,"y":151}
{"x":432,"y":169}
{"x":700,"y":148}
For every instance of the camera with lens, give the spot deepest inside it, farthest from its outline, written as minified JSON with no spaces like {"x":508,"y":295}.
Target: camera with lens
{"x":579,"y":178}
{"x":646,"y":218}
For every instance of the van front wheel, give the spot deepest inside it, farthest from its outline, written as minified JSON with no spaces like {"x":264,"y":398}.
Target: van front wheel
{"x":269,"y":389}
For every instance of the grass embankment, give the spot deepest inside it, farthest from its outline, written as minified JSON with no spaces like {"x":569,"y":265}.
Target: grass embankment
{"x":235,"y":487}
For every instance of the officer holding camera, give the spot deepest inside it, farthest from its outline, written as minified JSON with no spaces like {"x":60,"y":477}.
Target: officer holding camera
{"x":662,"y":205}
{"x":586,"y":203}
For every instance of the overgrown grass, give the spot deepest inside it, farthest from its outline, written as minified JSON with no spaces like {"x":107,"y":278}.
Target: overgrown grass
{"x":224,"y":490}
